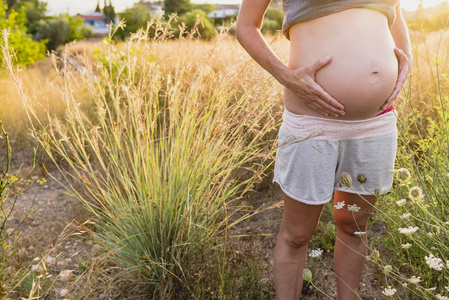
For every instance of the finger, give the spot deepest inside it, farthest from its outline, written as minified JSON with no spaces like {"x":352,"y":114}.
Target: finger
{"x":317,"y":108}
{"x":392,"y":97}
{"x":388,"y":103}
{"x":336,"y":106}
{"x":313,"y":68}
{"x":400,"y":54}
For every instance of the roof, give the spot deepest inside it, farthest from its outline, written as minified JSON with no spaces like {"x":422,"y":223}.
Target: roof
{"x":92,"y":16}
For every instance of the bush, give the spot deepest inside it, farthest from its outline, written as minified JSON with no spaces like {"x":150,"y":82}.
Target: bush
{"x":136,"y":17}
{"x":275,"y":15}
{"x":269,"y":26}
{"x":159,"y":161}
{"x":190,"y":20}
{"x":61,"y":30}
{"x":26,"y":50}
{"x":56,"y":32}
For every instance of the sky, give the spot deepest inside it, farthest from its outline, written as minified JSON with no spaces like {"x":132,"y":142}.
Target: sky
{"x":82,"y":6}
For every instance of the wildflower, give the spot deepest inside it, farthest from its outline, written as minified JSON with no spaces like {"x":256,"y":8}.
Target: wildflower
{"x":307,"y":275}
{"x":431,"y":289}
{"x":13,"y":179}
{"x":316,"y":253}
{"x":401,"y":202}
{"x":403,"y":175}
{"x":446,"y":222}
{"x":405,"y":216}
{"x":330,"y":227}
{"x":41,"y":182}
{"x":345,"y":180}
{"x":388,"y":269}
{"x":415,"y":193}
{"x":408,"y":230}
{"x":429,"y":233}
{"x":447,"y":288}
{"x":434,"y":262}
{"x":406,"y":246}
{"x":353,"y":207}
{"x":340,"y":205}
{"x":361,"y":178}
{"x":441,"y":297}
{"x":389,"y":291}
{"x":360,"y":233}
{"x":375,"y":255}
{"x":415,"y":279}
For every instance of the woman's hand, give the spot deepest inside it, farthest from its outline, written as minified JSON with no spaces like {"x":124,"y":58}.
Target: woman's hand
{"x":404,"y":68}
{"x":302,"y":82}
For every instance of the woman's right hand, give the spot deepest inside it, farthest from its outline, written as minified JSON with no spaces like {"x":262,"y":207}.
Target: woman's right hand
{"x":302,"y":82}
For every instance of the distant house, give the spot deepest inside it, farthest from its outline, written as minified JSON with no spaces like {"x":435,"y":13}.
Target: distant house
{"x":96,"y":21}
{"x":224,"y":12}
{"x":156,"y":9}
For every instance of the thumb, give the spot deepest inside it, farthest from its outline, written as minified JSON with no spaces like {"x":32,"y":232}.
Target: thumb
{"x":320,"y":64}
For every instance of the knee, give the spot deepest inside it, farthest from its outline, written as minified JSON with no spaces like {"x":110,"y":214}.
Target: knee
{"x":295,"y":240}
{"x":349,"y":225}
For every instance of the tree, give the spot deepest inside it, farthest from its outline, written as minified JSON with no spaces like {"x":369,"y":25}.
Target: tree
{"x":206,"y":7}
{"x":97,"y":9}
{"x":61,"y":30}
{"x":109,"y":12}
{"x":135,"y":17}
{"x":177,"y":6}
{"x":35,"y":11}
{"x":205,"y":28}
{"x":27,"y":51}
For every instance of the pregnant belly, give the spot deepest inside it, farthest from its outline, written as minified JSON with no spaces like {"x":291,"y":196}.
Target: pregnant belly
{"x":364,"y":68}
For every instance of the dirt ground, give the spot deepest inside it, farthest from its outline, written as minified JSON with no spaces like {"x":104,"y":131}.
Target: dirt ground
{"x":52,"y":231}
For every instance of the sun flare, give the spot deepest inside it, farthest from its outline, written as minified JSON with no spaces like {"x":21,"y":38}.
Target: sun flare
{"x":411,"y":5}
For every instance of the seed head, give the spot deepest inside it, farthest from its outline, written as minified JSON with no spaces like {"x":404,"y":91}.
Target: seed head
{"x":403,"y":175}
{"x":307,"y":275}
{"x":388,"y":269}
{"x":361,"y":178}
{"x":331,"y":227}
{"x":415,"y":193}
{"x":377,"y":193}
{"x":345,"y":180}
{"x":375,"y":255}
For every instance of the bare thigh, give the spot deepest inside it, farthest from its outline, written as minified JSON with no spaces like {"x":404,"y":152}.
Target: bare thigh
{"x":299,"y":220}
{"x":354,"y":221}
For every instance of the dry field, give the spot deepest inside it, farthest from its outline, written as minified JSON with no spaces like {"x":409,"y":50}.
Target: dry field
{"x":69,"y":246}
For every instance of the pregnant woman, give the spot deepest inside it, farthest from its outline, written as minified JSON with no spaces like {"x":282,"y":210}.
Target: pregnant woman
{"x":348,"y":61}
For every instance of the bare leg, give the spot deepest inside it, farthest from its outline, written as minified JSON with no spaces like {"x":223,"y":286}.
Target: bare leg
{"x":298,"y":224}
{"x":350,"y":250}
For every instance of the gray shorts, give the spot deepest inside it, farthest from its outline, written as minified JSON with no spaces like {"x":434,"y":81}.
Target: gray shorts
{"x":313,"y":152}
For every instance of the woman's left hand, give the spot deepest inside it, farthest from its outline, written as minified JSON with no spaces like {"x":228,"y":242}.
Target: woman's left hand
{"x":404,"y":68}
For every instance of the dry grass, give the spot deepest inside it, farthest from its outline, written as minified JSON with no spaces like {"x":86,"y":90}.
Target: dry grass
{"x":184,"y":67}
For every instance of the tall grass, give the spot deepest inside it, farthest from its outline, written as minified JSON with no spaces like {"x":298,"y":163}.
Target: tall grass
{"x":163,"y":153}
{"x":416,"y":210}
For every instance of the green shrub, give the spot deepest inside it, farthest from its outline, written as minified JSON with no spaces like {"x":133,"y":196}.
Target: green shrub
{"x":198,"y":21}
{"x":164,"y":154}
{"x":135,"y":17}
{"x":61,"y":30}
{"x":26,"y":50}
{"x":56,"y":32}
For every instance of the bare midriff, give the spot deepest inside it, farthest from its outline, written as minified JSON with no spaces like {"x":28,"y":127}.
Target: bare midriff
{"x":364,"y":67}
